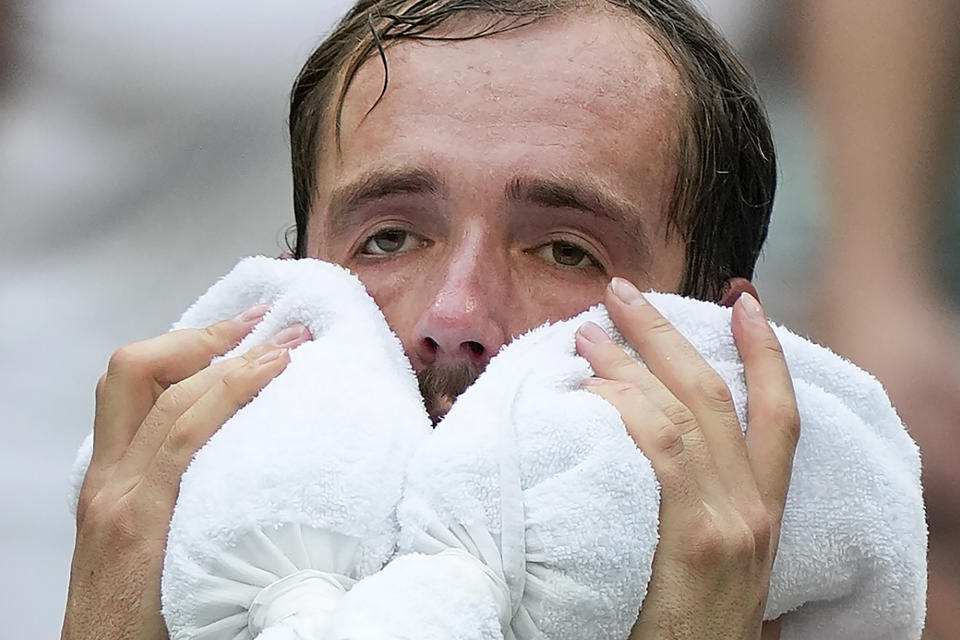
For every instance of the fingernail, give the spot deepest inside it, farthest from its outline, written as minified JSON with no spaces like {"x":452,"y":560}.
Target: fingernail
{"x":593,"y":333}
{"x":625,"y":290}
{"x":751,"y":306}
{"x":590,"y":382}
{"x":270,"y":356}
{"x":254,"y":313}
{"x":291,"y":336}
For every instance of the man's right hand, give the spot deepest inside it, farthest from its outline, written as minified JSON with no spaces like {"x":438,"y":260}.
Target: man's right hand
{"x":722,"y":495}
{"x":159,"y":401}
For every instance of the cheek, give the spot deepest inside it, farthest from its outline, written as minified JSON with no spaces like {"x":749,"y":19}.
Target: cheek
{"x":394,"y":290}
{"x":540,"y":302}
{"x":395,"y":293}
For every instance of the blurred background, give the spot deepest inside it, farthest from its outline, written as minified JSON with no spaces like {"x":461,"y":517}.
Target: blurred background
{"x":143,"y":151}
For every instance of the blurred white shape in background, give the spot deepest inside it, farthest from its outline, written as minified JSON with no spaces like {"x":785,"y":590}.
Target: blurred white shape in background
{"x":142,"y":151}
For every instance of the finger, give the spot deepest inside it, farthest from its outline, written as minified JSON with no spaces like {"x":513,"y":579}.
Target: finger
{"x":138,"y":373}
{"x":179,"y":397}
{"x":682,"y":370}
{"x":195,"y":426}
{"x":773,"y":424}
{"x":609,"y":361}
{"x":612,"y":363}
{"x":660,"y":440}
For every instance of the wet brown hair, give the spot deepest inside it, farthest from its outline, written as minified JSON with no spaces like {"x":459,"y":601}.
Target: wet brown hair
{"x":723,"y":192}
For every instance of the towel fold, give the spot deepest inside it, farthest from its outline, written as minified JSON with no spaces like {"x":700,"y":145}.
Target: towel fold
{"x":540,"y":481}
{"x":294,"y":498}
{"x":537,"y":479}
{"x":528,"y":512}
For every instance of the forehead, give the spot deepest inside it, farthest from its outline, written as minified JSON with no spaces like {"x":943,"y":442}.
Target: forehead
{"x":585,"y":93}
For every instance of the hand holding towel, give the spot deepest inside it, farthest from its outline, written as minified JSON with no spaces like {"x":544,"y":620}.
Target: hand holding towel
{"x":533,"y":499}
{"x":528,"y":512}
{"x":294,"y":498}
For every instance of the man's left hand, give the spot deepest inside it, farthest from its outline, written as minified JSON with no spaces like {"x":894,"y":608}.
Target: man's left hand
{"x":722,"y":496}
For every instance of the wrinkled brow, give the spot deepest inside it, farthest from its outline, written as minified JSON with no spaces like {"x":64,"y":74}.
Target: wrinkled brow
{"x":378,"y":185}
{"x":565,"y":193}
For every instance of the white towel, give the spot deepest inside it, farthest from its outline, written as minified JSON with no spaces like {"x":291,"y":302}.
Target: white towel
{"x":537,"y":479}
{"x":548,"y":506}
{"x":529,"y":510}
{"x":294,"y":498}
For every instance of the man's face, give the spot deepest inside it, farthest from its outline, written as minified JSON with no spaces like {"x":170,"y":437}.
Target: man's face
{"x":500,"y":183}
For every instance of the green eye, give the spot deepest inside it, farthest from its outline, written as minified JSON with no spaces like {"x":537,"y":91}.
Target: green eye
{"x":569,"y":255}
{"x":566,"y":254}
{"x":389,"y":241}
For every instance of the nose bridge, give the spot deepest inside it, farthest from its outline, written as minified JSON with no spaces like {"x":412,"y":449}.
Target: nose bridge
{"x":461,"y":321}
{"x":468,"y":274}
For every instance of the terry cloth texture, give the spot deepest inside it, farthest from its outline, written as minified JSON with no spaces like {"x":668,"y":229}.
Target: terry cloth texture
{"x":528,"y":512}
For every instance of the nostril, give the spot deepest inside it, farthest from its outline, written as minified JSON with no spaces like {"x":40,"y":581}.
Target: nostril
{"x":431,"y":344}
{"x":474,"y":347}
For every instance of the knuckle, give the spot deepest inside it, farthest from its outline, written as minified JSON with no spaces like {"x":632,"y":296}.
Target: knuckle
{"x":615,"y":392}
{"x":771,"y":347}
{"x":787,"y":417}
{"x":235,"y":384}
{"x":210,"y":334}
{"x":748,"y":535}
{"x":621,"y":388}
{"x":713,"y":389}
{"x":669,"y":440}
{"x":125,"y":358}
{"x":761,"y":532}
{"x":708,"y":545}
{"x":108,"y":517}
{"x":742,"y":544}
{"x":124,"y":520}
{"x":730,"y":539}
{"x":678,"y":414}
{"x":91,"y":511}
{"x":622,"y":362}
{"x":132,"y":360}
{"x":240,"y":385}
{"x":172,"y":401}
{"x":183,"y":437}
{"x":658,"y":325}
{"x":220,"y":337}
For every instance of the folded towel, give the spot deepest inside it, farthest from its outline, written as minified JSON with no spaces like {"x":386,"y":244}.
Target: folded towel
{"x":531,"y":496}
{"x":529,"y":510}
{"x":535,"y":478}
{"x":294,"y":498}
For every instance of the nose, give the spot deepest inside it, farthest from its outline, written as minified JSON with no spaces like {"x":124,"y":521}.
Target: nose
{"x":460,"y":321}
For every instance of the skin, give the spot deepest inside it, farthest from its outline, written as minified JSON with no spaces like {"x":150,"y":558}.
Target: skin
{"x":158,"y":402}
{"x":477,"y":266}
{"x":460,"y":262}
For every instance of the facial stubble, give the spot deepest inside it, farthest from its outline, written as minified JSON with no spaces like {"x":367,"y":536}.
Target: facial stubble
{"x":441,"y":384}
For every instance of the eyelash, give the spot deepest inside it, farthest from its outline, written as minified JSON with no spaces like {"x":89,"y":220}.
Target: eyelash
{"x":552,"y":244}
{"x":386,"y":230}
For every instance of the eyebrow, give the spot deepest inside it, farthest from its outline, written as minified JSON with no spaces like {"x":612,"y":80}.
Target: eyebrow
{"x":556,"y":192}
{"x":378,"y":185}
{"x":563,"y":193}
